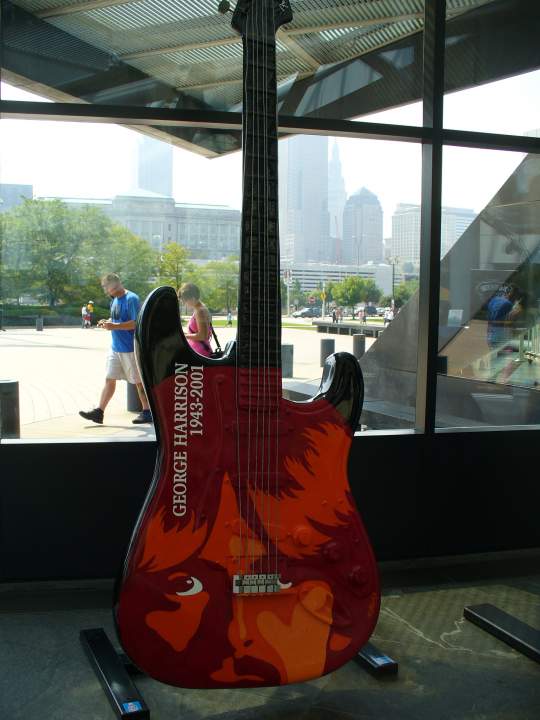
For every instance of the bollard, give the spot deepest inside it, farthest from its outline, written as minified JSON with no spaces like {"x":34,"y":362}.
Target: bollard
{"x":10,"y":425}
{"x":287,"y":352}
{"x":133,"y":399}
{"x":39,"y":323}
{"x":358,"y":345}
{"x":327,"y":348}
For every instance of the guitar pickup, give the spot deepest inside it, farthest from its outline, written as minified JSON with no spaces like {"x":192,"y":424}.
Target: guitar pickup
{"x":258,"y":584}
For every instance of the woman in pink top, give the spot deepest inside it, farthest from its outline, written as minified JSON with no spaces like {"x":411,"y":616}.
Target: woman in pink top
{"x":199,"y":330}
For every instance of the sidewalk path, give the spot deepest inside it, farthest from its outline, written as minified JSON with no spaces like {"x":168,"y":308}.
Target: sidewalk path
{"x":61,"y":371}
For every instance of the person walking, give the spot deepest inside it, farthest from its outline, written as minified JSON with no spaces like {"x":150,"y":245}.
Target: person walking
{"x":121,"y":363}
{"x":84,"y":316}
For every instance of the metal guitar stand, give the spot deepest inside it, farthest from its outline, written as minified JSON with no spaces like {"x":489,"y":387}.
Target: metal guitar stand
{"x":376,"y":662}
{"x":113,"y":671}
{"x":520,"y":636}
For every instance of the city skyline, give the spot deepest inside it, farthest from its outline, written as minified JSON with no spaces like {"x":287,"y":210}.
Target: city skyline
{"x":49,"y":155}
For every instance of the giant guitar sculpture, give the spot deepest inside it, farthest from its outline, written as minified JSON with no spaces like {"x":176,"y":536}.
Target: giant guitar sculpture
{"x":249,"y":565}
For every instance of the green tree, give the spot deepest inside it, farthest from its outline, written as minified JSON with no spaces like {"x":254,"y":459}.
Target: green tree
{"x":371,"y":293}
{"x":42,"y":244}
{"x":218,"y":283}
{"x":298,"y":296}
{"x":174,"y":265}
{"x":404,"y":291}
{"x":353,"y":290}
{"x":329,"y":290}
{"x":114,"y":248}
{"x":349,"y":291}
{"x":59,"y":254}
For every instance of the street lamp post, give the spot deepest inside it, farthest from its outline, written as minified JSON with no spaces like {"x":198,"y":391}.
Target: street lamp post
{"x":287,"y":279}
{"x":394,"y":261}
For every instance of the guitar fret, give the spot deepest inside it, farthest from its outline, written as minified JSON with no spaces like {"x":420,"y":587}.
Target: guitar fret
{"x":259,"y":312}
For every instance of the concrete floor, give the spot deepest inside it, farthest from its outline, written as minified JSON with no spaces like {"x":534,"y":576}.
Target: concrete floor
{"x":449,"y":669}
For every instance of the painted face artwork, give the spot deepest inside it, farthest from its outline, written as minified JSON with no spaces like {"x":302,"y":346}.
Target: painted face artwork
{"x":185,"y":571}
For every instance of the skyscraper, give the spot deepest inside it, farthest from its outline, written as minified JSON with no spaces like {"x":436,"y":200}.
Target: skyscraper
{"x":362,"y":229}
{"x":337,"y":197}
{"x":303,"y":198}
{"x":405,"y":243}
{"x":406,"y":230}
{"x":155,"y":166}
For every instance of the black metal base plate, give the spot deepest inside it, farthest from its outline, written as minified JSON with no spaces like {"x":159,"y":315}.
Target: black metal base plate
{"x":111,"y":671}
{"x":375,"y":661}
{"x":522,"y":637}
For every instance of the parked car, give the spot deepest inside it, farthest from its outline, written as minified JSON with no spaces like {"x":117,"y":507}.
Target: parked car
{"x":370,"y":311}
{"x":307,"y":312}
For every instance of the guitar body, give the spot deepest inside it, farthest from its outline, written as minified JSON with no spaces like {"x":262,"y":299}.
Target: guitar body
{"x":178,"y":614}
{"x":249,"y":565}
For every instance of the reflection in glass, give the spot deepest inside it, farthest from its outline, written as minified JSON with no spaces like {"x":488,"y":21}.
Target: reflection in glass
{"x":492,"y":81}
{"x":489,"y":342}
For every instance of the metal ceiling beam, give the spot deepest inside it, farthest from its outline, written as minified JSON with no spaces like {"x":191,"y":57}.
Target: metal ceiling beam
{"x":353,"y":24}
{"x":220,"y":83}
{"x":181,"y":48}
{"x":283,"y":33}
{"x":298,"y":50}
{"x":78,"y":7}
{"x":86,"y":5}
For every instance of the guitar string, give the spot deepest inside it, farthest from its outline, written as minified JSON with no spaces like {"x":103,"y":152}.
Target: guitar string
{"x":257,"y":262}
{"x":274,"y":378}
{"x":277,"y":304}
{"x":267,"y":390}
{"x":241,"y":331}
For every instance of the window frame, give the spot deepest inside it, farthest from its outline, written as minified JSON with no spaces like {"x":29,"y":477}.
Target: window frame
{"x":433,"y":137}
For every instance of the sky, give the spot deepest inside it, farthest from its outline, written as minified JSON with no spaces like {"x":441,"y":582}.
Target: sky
{"x":70,"y":159}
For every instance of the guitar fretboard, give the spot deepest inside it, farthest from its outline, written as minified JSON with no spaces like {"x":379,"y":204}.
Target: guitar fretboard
{"x":259,"y":312}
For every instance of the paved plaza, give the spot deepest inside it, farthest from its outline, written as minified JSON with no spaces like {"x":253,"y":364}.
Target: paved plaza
{"x":61,"y":371}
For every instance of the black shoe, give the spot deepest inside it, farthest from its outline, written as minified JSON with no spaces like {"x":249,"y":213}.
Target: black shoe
{"x":143,"y":417}
{"x":95,"y":415}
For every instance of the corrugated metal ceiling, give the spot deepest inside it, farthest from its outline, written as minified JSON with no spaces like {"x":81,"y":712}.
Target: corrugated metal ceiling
{"x":188,"y":45}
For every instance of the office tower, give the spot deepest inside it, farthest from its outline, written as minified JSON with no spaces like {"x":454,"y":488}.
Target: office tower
{"x":405,"y":243}
{"x":155,"y":166}
{"x":337,"y":198}
{"x":303,"y":199}
{"x":406,"y":230}
{"x":362,"y":229}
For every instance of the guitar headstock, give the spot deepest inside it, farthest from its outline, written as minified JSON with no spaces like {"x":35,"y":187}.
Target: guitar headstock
{"x":253,"y":18}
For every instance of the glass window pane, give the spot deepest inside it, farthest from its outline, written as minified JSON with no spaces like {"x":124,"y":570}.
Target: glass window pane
{"x":78,"y":200}
{"x":340,"y":200}
{"x":334,"y":60}
{"x":492,"y":78}
{"x":489,"y":349}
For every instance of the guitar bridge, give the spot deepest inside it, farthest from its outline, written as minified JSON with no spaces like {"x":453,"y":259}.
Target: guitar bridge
{"x":256,"y":584}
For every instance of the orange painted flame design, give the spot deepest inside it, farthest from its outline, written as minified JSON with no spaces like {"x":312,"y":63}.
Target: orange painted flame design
{"x":167,"y":548}
{"x":291,"y":631}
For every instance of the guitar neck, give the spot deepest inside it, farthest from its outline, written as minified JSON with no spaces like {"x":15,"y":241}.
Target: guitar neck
{"x":259,"y":311}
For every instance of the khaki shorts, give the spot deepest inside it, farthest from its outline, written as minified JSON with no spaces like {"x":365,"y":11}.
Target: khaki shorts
{"x":122,"y":366}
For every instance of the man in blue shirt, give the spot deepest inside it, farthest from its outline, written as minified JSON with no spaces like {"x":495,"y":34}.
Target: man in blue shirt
{"x":121,"y":363}
{"x":498,"y":310}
